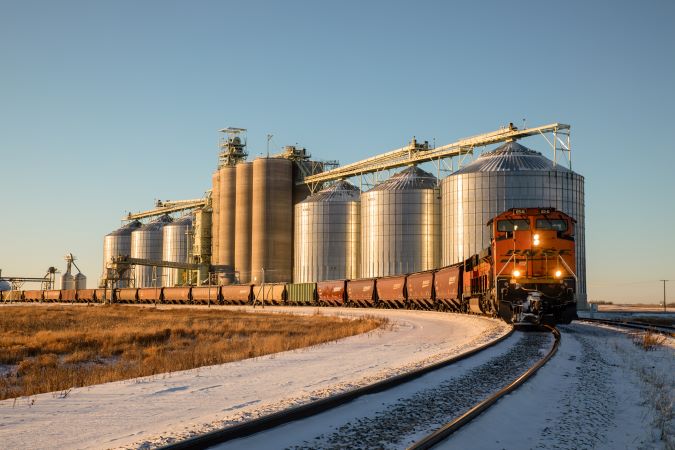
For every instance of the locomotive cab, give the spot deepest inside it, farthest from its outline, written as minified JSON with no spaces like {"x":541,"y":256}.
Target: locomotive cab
{"x":534,"y":265}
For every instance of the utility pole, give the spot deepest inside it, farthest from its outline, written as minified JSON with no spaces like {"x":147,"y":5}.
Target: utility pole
{"x":664,"y":294}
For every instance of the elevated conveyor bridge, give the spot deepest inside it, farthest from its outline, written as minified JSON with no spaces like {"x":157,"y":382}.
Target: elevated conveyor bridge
{"x":417,"y":153}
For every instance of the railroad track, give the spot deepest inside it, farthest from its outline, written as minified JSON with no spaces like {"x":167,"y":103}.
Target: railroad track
{"x":451,"y":427}
{"x":250,"y":428}
{"x":661,"y":329}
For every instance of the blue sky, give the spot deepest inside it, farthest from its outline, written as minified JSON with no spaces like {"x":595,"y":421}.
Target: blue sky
{"x":106,"y":106}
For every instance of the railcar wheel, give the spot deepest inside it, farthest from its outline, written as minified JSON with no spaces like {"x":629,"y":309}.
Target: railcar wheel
{"x":505,"y":312}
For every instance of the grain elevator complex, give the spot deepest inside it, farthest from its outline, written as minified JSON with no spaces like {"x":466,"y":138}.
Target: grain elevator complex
{"x":286,"y":218}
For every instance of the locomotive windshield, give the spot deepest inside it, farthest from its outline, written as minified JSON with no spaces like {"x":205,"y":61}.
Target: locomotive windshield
{"x":510,"y":225}
{"x":552,"y":224}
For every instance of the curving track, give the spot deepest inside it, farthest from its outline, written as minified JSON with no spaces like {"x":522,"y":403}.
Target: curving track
{"x":410,"y":409}
{"x":158,"y":410}
{"x":448,"y":429}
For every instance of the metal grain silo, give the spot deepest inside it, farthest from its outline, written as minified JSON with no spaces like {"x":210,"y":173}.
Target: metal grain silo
{"x":226,"y":216}
{"x":511,"y":176}
{"x":327,"y":235}
{"x":242,"y":224}
{"x":146,"y":243}
{"x":118,"y":243}
{"x":80,"y":281}
{"x":176,"y":244}
{"x":272,"y":220}
{"x":400,"y":225}
{"x":67,"y":281}
{"x":215,"y":216}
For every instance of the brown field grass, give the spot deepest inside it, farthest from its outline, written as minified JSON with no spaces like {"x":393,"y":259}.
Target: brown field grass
{"x":648,"y":341}
{"x":46,"y":349}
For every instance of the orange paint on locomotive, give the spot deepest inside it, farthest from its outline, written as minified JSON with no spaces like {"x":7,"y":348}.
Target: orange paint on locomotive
{"x":533,"y":245}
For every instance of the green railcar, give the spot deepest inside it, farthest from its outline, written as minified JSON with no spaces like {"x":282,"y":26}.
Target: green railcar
{"x":301,"y":293}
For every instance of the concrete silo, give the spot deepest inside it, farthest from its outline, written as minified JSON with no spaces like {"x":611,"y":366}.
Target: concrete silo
{"x":215,"y":216}
{"x":226,"y":216}
{"x":242,"y":224}
{"x":272,"y":220}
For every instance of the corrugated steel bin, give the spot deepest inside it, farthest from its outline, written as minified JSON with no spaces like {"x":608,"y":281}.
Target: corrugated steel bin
{"x":447,"y":284}
{"x":274,"y":294}
{"x":510,"y":176}
{"x":236,"y":294}
{"x":391,"y":291}
{"x":401,"y":225}
{"x":361,"y":292}
{"x":420,"y":288}
{"x":301,"y":293}
{"x":331,"y":293}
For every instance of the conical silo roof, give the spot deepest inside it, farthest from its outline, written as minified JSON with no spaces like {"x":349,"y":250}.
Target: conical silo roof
{"x":341,"y":191}
{"x":126,"y":229}
{"x":185,"y":221}
{"x":157,"y":224}
{"x":410,"y":178}
{"x":511,"y":157}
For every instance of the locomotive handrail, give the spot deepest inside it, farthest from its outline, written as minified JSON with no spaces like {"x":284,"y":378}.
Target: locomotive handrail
{"x":568,"y":267}
{"x":503,"y":267}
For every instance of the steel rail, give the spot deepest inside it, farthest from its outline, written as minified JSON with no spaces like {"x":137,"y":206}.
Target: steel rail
{"x":446,"y":430}
{"x":310,"y":409}
{"x":661,"y":329}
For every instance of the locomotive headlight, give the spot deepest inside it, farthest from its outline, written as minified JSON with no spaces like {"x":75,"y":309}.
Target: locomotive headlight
{"x":516,"y":273}
{"x":558,"y":273}
{"x":536,"y":239}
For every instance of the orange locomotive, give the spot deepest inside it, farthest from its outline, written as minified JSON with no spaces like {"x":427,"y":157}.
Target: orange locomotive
{"x":529,"y":273}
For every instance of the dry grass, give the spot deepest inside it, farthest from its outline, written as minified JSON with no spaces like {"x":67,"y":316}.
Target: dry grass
{"x":46,"y":349}
{"x":648,"y":341}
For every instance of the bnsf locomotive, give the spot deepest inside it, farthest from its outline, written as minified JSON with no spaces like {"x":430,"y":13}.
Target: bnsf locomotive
{"x":526,"y":276}
{"x":529,"y":273}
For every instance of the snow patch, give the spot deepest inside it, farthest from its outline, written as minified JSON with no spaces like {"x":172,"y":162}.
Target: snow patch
{"x":151,"y":411}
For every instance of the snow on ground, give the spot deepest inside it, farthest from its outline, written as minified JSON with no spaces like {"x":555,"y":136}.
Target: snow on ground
{"x":397,"y":417}
{"x":599,"y":391}
{"x":150,"y":411}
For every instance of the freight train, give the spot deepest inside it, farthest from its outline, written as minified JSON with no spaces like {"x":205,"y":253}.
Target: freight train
{"x":526,"y":276}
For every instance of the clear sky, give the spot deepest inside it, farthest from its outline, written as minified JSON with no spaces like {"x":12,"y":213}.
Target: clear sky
{"x":107,"y":106}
